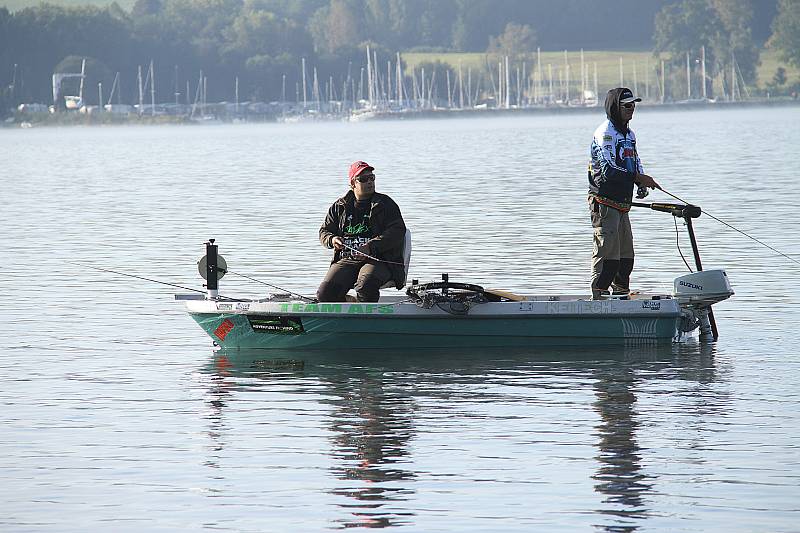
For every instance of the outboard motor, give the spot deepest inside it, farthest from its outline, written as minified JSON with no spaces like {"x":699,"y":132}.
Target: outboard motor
{"x":701,"y":289}
{"x":696,"y":293}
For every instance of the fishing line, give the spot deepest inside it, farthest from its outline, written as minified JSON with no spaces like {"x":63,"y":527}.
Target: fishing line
{"x":678,"y":244}
{"x":142,"y":277}
{"x":221,"y":270}
{"x":290,"y":293}
{"x":735,"y":229}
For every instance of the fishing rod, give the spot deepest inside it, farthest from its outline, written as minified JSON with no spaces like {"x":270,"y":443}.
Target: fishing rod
{"x":729,"y":225}
{"x":359,"y":252}
{"x":141,"y":277}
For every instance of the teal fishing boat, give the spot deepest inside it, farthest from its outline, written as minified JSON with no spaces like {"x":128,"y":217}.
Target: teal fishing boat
{"x":451,"y":314}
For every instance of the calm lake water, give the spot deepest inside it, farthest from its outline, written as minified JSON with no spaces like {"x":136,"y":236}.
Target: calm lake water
{"x":118,"y":415}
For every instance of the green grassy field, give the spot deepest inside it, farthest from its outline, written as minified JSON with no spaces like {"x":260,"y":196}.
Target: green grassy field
{"x":608,"y":70}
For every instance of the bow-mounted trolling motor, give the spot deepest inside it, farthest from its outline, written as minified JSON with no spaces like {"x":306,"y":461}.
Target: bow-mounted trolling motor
{"x":697,"y":291}
{"x":212,"y":267}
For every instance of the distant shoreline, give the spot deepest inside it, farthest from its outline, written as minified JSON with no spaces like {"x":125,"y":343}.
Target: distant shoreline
{"x":557,"y":110}
{"x":24,"y":120}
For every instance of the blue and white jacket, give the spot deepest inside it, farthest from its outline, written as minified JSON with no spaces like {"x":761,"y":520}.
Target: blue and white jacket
{"x":613,"y":166}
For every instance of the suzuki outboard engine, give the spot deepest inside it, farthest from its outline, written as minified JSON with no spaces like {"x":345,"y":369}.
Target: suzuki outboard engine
{"x":702,"y":288}
{"x":696,"y":293}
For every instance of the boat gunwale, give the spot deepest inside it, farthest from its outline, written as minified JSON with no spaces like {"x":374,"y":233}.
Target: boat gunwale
{"x":445,"y":315}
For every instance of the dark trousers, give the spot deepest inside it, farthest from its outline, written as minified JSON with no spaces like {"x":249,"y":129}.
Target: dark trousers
{"x":366,"y":277}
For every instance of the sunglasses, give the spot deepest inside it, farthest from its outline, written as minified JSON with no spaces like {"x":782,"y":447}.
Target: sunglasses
{"x":629,"y":105}
{"x":364,"y":178}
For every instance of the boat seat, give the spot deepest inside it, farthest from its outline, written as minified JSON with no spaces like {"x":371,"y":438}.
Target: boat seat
{"x":406,"y":261}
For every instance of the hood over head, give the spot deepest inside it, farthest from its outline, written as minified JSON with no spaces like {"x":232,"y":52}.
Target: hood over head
{"x":613,"y":100}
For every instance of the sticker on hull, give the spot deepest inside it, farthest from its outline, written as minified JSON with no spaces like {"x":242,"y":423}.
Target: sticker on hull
{"x":224,"y":328}
{"x":278,"y":325}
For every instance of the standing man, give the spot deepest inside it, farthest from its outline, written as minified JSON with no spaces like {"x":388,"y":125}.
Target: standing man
{"x":613,"y":170}
{"x":367,"y":233}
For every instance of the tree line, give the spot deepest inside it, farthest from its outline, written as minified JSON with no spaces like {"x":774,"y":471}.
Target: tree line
{"x":261,"y":43}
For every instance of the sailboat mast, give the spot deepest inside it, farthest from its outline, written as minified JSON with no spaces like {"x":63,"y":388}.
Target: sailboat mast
{"x":375,"y":77}
{"x":83,"y":77}
{"x":583,"y":80}
{"x":688,"y":78}
{"x":399,"y":81}
{"x":460,"y":87}
{"x":141,"y":90}
{"x":508,"y":85}
{"x":305,"y":100}
{"x":369,"y":76}
{"x":703,"y":61}
{"x":540,"y":87}
{"x":449,"y":99}
{"x":469,"y":87}
{"x":566,"y":77}
{"x":152,"y":89}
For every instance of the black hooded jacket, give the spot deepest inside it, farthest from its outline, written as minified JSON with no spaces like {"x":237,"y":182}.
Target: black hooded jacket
{"x":614,"y":160}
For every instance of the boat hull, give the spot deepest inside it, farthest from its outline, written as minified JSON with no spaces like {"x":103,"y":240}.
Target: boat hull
{"x":507,"y":324}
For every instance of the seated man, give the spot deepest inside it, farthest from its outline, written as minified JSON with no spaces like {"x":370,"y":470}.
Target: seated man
{"x":367,"y":232}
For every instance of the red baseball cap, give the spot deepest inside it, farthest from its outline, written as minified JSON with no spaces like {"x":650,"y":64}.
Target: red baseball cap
{"x":357,"y":168}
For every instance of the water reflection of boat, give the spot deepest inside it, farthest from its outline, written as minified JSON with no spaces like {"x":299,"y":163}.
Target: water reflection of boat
{"x":370,"y":424}
{"x":379,"y":410}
